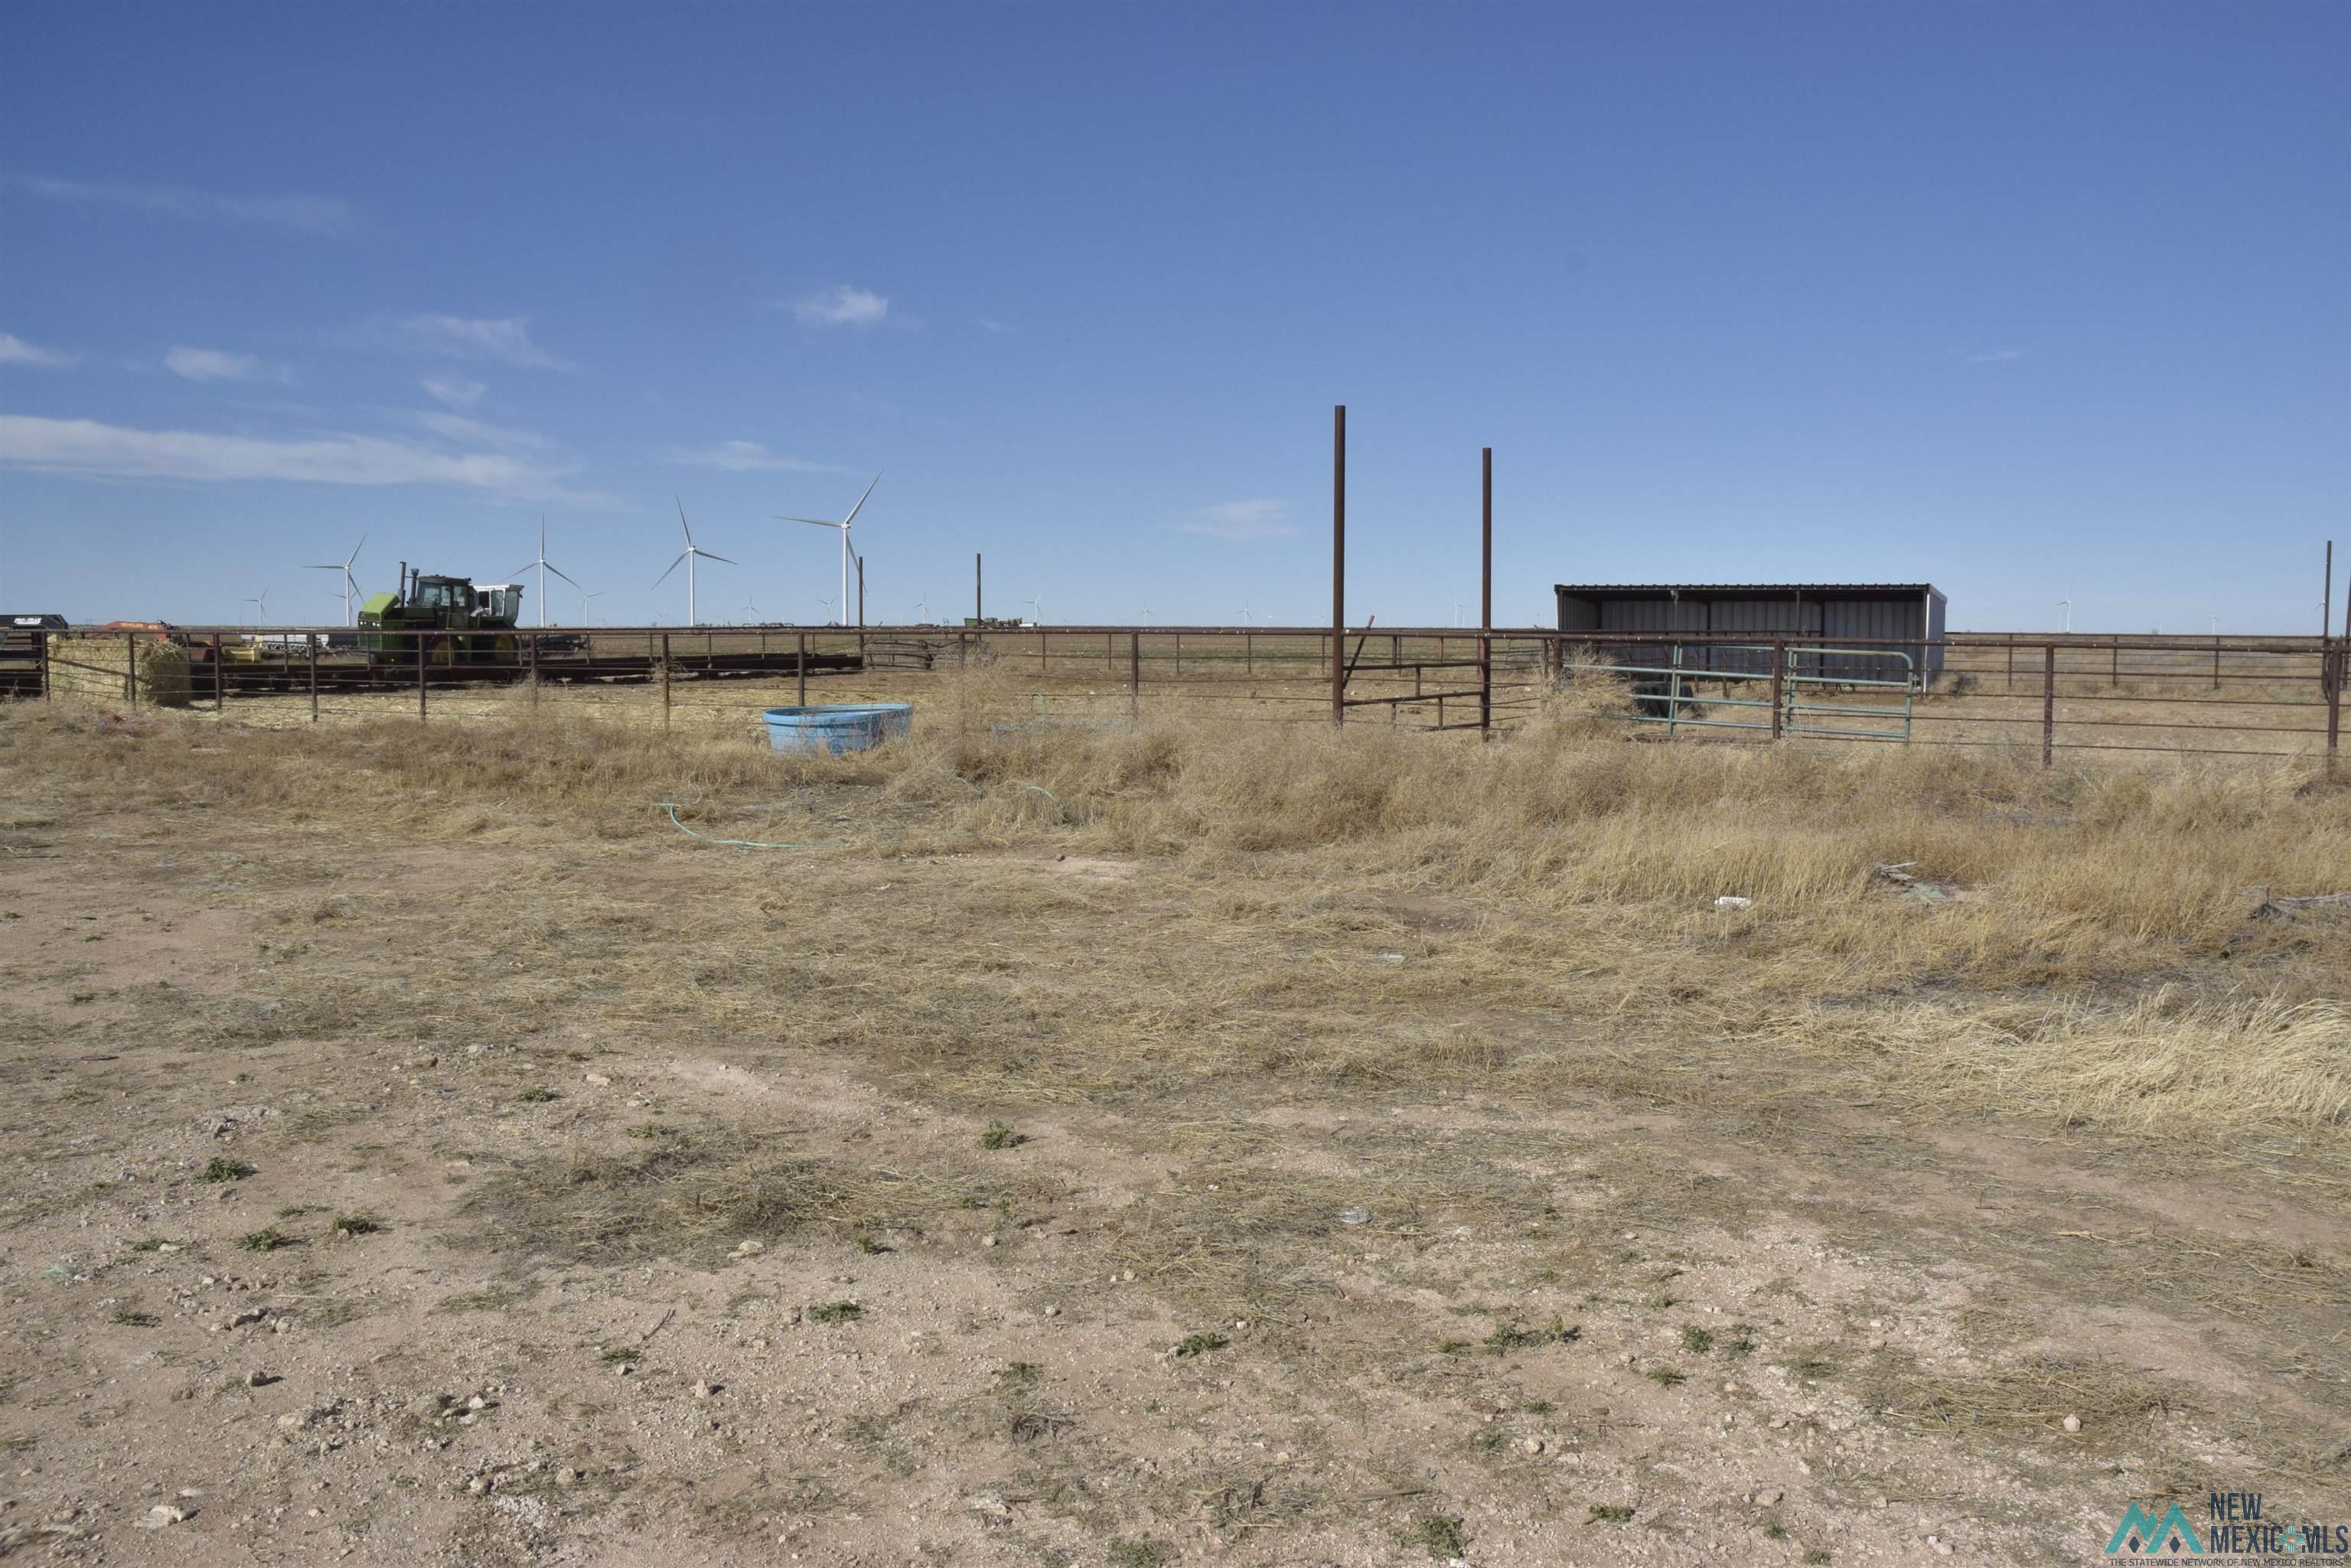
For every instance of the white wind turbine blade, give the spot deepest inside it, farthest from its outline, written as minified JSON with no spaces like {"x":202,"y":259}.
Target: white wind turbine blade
{"x":819,"y":522}
{"x":860,"y":503}
{"x":710,"y":555}
{"x":672,"y":567}
{"x":681,"y":522}
{"x":560,"y":572}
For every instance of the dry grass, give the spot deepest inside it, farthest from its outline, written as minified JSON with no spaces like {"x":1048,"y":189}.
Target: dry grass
{"x":2106,"y":970}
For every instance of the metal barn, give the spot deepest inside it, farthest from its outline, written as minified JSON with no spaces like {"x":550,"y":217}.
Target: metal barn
{"x":1809,"y":616}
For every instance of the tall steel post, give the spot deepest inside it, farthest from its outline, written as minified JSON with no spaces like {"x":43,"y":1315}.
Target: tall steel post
{"x":1338,"y":563}
{"x":1485,"y":598}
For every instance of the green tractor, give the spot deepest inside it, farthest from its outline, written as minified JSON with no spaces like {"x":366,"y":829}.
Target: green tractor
{"x":481,"y":621}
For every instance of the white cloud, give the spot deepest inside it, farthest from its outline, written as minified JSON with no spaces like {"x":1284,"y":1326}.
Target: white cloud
{"x":2004,"y":356}
{"x":1240,"y":520}
{"x":477,"y":432}
{"x":742,"y":457}
{"x":455,"y":391}
{"x":218,"y":365}
{"x":86,"y":447}
{"x":316,"y":214}
{"x":505,"y":339}
{"x":990,"y":324}
{"x":841,"y":307}
{"x":14,"y":350}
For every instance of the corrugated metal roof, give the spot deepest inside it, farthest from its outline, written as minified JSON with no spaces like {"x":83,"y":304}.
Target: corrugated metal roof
{"x":1726,"y":589}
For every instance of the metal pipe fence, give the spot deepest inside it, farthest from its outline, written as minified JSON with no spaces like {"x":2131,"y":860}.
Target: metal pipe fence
{"x":2243,"y":696}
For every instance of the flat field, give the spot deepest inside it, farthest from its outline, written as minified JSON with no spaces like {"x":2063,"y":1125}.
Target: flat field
{"x":1065,"y":1141}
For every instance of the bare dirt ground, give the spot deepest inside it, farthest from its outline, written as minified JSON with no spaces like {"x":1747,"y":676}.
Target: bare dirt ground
{"x":477,"y":1186}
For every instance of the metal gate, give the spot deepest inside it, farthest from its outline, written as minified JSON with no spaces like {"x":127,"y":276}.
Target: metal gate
{"x":1796,"y":690}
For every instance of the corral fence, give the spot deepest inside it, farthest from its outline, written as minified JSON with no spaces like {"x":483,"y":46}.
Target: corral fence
{"x":2245,"y":697}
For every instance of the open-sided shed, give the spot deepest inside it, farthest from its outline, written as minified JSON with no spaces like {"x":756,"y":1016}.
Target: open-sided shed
{"x":1810,"y":615}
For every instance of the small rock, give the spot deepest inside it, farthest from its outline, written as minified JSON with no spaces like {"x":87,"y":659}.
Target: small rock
{"x":1127,"y":1276}
{"x":990,"y":1507}
{"x":1881,"y":1501}
{"x":703,"y":1390}
{"x":1533,"y":1446}
{"x":1626,"y":1359}
{"x":417,"y":1062}
{"x":162,"y":1514}
{"x":2073,"y":1423}
{"x":1877,"y":1345}
{"x":477,"y":1486}
{"x":1052,"y":1311}
{"x":598,"y":1079}
{"x":749,"y":1249}
{"x":292,"y":1421}
{"x":1730,"y":1388}
{"x":1877,"y":1322}
{"x":624,"y":1369}
{"x":428,"y":1407}
{"x":987,"y":1242}
{"x":1767,"y":1499}
{"x":258,"y":1379}
{"x":477,"y":1403}
{"x":567,"y":1477}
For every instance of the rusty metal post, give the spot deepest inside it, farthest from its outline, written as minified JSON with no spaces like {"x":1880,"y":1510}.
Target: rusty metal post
{"x":1178,"y":671}
{"x":530,"y":641}
{"x":2335,"y":709}
{"x":1486,"y":596}
{"x":665,"y":670}
{"x":1040,"y":650}
{"x":419,"y":678}
{"x":1779,"y":686}
{"x":220,"y":678}
{"x":129,"y":667}
{"x":2114,"y":662}
{"x":1248,"y":653}
{"x":311,"y":638}
{"x":1338,"y":563}
{"x":978,"y":595}
{"x":2326,"y":597}
{"x":1134,"y":674}
{"x":2048,"y":704}
{"x":800,"y":664}
{"x":2216,"y":663}
{"x":2011,"y":661}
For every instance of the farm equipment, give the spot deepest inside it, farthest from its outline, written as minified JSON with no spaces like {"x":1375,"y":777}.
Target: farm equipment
{"x":480,"y":621}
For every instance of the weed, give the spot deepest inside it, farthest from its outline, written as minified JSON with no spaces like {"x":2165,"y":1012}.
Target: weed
{"x":1697,"y":1341}
{"x":148,"y":1245}
{"x":647,"y":1130}
{"x":357,"y":1225}
{"x":1741,"y":1341}
{"x":1508,"y":1337}
{"x":266,"y":1240}
{"x":836,"y":1312}
{"x":620,"y":1355}
{"x":998,"y":1136}
{"x":295,"y":1211}
{"x":130,"y":1318}
{"x":1774,"y":1531}
{"x":1200,"y":1343}
{"x":538,"y":1095}
{"x":1666,"y":1376}
{"x":1489,"y":1440}
{"x":1818,"y":1554}
{"x":1455,"y":1346}
{"x":868,"y":1245}
{"x":1017,"y":1375}
{"x":1442,"y":1535}
{"x":221,"y":1169}
{"x":1146,"y":1553}
{"x":1609,"y":1513}
{"x":1537,"y":1407}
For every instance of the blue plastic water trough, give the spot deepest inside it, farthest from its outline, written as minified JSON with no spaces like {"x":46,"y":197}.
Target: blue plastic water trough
{"x":837,"y":728}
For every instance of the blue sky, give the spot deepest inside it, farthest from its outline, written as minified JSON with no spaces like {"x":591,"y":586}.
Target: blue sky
{"x":2032,"y":302}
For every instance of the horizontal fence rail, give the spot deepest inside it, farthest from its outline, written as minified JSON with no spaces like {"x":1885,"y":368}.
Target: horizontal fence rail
{"x":2244,"y":696}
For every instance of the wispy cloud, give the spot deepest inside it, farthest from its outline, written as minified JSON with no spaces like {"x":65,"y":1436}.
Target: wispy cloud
{"x":455,"y":391}
{"x":743,"y":457}
{"x":86,"y":447}
{"x":841,"y":307}
{"x":990,"y":324}
{"x":505,"y":339}
{"x":218,"y":365}
{"x":478,"y":432}
{"x":14,"y":350}
{"x":314,"y":214}
{"x":2003,"y":356}
{"x":1257,"y":520}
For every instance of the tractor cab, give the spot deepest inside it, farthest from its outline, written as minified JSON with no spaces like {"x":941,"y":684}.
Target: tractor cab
{"x":498,"y":604}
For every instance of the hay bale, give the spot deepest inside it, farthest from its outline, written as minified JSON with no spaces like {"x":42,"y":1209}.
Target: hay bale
{"x":100,"y":669}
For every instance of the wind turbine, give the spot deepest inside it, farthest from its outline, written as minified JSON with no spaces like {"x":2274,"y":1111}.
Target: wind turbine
{"x":923,"y":609}
{"x":261,"y":603}
{"x":1037,"y":604}
{"x":686,"y":555}
{"x":585,"y":596}
{"x":350,"y":583}
{"x":546,"y":566}
{"x":1146,"y":612}
{"x":750,"y":612}
{"x":1457,"y":613}
{"x":1245,"y":613}
{"x":843,"y":526}
{"x":2067,"y":606}
{"x":828,"y":608}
